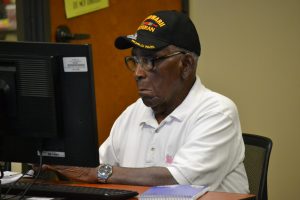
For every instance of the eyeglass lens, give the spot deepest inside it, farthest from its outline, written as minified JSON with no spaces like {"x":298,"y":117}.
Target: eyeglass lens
{"x":145,"y":62}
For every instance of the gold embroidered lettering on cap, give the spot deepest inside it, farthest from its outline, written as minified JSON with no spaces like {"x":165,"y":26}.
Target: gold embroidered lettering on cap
{"x":149,"y":46}
{"x":137,"y":43}
{"x":147,"y":28}
{"x":160,"y":23}
{"x":155,"y":18}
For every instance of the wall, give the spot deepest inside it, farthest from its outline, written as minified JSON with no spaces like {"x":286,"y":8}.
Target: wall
{"x":251,"y":53}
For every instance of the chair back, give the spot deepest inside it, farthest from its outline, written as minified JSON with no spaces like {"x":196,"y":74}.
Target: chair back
{"x":257,"y":155}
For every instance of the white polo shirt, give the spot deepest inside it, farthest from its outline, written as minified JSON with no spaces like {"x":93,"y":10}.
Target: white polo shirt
{"x":200,"y":142}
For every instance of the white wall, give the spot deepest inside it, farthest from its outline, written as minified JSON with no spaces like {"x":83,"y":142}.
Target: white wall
{"x":251,"y":53}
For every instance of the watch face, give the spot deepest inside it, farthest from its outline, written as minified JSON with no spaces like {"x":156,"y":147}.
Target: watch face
{"x":104,"y":172}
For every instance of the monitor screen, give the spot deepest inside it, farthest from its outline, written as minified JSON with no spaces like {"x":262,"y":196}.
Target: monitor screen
{"x":47,"y":104}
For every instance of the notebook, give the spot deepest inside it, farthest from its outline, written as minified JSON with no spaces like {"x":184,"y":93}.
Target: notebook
{"x":174,"y":192}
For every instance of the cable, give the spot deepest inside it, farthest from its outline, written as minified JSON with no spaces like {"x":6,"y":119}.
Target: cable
{"x":22,"y":195}
{"x":11,"y":187}
{"x":1,"y":176}
{"x":0,"y":190}
{"x":1,"y":169}
{"x":35,"y":177}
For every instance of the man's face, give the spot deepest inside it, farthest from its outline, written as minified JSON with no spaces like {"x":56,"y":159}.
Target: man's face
{"x":159,"y":86}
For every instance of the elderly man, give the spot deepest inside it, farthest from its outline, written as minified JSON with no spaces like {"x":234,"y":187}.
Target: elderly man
{"x":178,"y":131}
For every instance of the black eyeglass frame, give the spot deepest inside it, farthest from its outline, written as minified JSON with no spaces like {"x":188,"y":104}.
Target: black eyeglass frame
{"x":147,"y":63}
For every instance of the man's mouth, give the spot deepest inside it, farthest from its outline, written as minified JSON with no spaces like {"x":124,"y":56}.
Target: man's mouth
{"x":145,"y":92}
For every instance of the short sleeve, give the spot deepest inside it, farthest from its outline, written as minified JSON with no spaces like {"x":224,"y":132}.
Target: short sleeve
{"x":211,"y":151}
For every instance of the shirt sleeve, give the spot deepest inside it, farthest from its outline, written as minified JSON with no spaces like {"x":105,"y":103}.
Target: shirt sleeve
{"x":107,"y":151}
{"x":212,"y":150}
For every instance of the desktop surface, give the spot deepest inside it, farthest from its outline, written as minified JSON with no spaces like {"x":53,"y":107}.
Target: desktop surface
{"x":141,"y":189}
{"x":207,"y":196}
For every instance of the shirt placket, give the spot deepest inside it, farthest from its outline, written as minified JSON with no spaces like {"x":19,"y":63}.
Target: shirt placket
{"x":152,"y":150}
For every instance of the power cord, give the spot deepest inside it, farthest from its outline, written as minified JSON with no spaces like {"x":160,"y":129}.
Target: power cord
{"x":4,"y":197}
{"x":1,"y":176}
{"x":1,"y":169}
{"x":22,"y":195}
{"x":35,"y":177}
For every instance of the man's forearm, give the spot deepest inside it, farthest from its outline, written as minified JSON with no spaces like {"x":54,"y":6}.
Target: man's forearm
{"x":141,"y":176}
{"x":121,"y":175}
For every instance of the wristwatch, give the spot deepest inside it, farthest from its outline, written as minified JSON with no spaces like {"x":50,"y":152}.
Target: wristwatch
{"x":104,"y":172}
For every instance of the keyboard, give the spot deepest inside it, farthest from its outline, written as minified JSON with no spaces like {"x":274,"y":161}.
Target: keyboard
{"x":67,"y":191}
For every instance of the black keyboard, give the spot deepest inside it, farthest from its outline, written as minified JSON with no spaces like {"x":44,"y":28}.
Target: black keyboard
{"x":67,"y":191}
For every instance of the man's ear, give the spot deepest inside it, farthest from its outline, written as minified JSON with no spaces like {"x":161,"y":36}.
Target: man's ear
{"x":188,"y":66}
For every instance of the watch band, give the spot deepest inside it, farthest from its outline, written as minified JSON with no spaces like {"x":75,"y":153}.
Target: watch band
{"x":104,"y":172}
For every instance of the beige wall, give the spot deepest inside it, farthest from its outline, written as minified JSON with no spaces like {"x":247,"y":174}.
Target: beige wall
{"x":251,"y":53}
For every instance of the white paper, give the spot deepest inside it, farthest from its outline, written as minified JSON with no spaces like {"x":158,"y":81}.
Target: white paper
{"x":10,"y":177}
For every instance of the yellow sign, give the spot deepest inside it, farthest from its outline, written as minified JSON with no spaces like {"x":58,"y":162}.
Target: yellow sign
{"x":79,"y":7}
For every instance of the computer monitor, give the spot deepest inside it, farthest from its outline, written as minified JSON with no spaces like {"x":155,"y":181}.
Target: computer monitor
{"x":47,"y":104}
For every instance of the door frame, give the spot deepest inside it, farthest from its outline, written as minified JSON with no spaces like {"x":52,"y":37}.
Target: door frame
{"x":33,"y":20}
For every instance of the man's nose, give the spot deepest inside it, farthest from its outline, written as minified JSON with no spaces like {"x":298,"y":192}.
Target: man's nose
{"x":139,"y":71}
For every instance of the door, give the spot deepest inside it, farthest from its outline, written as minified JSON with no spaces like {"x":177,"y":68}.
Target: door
{"x":114,"y":85}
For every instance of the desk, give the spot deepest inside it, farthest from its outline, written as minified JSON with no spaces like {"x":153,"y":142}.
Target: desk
{"x":207,"y":196}
{"x":141,"y":189}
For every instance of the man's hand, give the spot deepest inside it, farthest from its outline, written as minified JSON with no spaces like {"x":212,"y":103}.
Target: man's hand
{"x":84,"y":174}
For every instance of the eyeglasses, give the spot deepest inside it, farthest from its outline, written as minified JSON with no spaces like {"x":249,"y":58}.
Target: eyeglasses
{"x":147,"y":63}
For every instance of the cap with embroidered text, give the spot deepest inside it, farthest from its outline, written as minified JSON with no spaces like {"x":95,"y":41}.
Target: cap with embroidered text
{"x":161,"y":29}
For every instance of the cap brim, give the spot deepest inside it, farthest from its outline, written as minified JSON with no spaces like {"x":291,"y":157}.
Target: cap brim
{"x":123,"y":42}
{"x":143,"y":41}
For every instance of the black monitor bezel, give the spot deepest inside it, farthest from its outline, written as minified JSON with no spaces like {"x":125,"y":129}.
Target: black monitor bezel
{"x":76,"y":110}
